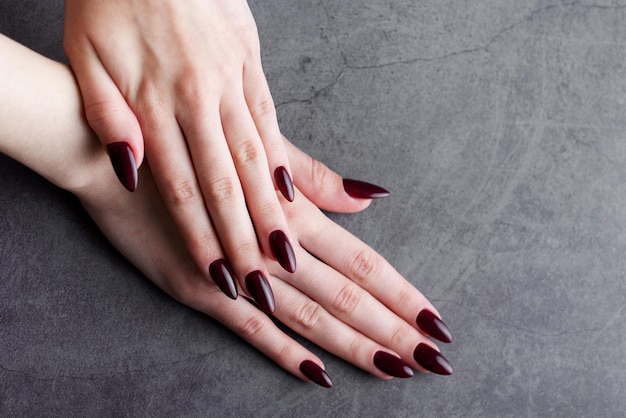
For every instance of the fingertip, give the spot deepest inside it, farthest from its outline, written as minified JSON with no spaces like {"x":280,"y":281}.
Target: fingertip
{"x":124,"y":164}
{"x":261,"y":291}
{"x":316,"y":374}
{"x":284,"y":183}
{"x":363,"y":190}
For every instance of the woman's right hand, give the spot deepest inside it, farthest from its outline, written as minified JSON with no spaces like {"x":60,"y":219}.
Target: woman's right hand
{"x":345,"y":297}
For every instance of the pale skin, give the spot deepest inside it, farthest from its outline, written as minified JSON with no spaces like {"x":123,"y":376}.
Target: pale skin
{"x":344,"y":296}
{"x":182,"y":83}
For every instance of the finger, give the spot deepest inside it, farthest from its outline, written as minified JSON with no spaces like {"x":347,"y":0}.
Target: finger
{"x":321,"y":185}
{"x":353,"y":305}
{"x":110,"y":117}
{"x":251,"y":164}
{"x":368,"y":269}
{"x":258,"y":330}
{"x":263,"y":112}
{"x":224,"y":198}
{"x":176,"y":181}
{"x":309,"y":319}
{"x":164,"y":259}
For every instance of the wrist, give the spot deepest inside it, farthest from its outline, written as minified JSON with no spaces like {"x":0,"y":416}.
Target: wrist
{"x":41,"y":122}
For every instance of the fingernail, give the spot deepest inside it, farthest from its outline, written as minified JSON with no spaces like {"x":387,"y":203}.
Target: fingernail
{"x":392,"y":365}
{"x":433,"y":326}
{"x":223,"y":278}
{"x":260,"y":291}
{"x":432,"y":360}
{"x":284,"y":183}
{"x":363,"y":190}
{"x":124,"y":164}
{"x":283,"y":251}
{"x":316,"y":374}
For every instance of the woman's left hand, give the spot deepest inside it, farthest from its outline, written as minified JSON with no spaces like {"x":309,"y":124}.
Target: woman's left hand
{"x":183,"y":80}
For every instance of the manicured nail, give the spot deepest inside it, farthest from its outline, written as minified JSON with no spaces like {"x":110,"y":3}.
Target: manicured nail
{"x":363,"y":190}
{"x":432,"y":360}
{"x":223,"y":278}
{"x":283,"y":251}
{"x":260,"y":291}
{"x":392,"y":365}
{"x":124,"y":164}
{"x":431,"y":325}
{"x":284,"y":183}
{"x":316,"y":374}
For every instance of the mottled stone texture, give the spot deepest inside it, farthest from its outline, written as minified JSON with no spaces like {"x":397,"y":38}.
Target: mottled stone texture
{"x":499,"y":126}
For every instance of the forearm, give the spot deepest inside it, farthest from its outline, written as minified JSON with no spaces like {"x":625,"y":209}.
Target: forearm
{"x":41,"y":122}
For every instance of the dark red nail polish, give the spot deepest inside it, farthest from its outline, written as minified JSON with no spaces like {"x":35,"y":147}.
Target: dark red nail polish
{"x":432,"y":360}
{"x":260,"y":291}
{"x":431,"y":325}
{"x":124,"y":164}
{"x":283,"y":251}
{"x":284,"y":183}
{"x":363,"y":190}
{"x":223,"y":278}
{"x":316,"y":374}
{"x":392,"y":365}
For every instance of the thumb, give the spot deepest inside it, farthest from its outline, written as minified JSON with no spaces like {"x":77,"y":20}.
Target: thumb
{"x":327,"y":189}
{"x":111,"y":119}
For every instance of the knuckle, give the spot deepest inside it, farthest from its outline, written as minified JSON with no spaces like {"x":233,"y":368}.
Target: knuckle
{"x":364,"y":265}
{"x":398,"y":336}
{"x":246,"y":250}
{"x":285,"y":353}
{"x":355,"y":348}
{"x":308,"y":315}
{"x":347,"y":299}
{"x":201,"y":245}
{"x":248,"y":32}
{"x":181,"y":192}
{"x":262,"y":108}
{"x":252,"y":327}
{"x":192,"y":89}
{"x":151,"y":101}
{"x":248,"y":152}
{"x":267,"y":210}
{"x":319,"y":173}
{"x":102,"y":113}
{"x":189,"y":90}
{"x":222,"y":189}
{"x":404,"y":298}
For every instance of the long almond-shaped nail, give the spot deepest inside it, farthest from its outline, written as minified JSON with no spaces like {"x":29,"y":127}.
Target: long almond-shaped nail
{"x":432,"y":360}
{"x":392,"y":365}
{"x":432,"y":325}
{"x":316,"y":374}
{"x":362,"y":190}
{"x":284,"y":183}
{"x":223,"y":278}
{"x":260,"y":291}
{"x":283,"y":251}
{"x":123,"y":162}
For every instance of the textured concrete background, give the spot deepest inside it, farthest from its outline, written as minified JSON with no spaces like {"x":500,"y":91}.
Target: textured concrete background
{"x":500,"y":127}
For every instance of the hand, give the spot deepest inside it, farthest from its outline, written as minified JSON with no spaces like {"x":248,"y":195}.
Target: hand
{"x":345,"y":297}
{"x":184,"y":79}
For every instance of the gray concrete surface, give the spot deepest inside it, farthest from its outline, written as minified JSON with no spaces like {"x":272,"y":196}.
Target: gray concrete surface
{"x":499,"y":125}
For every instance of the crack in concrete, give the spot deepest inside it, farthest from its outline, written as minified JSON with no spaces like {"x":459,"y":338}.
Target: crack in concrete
{"x":346,"y":65}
